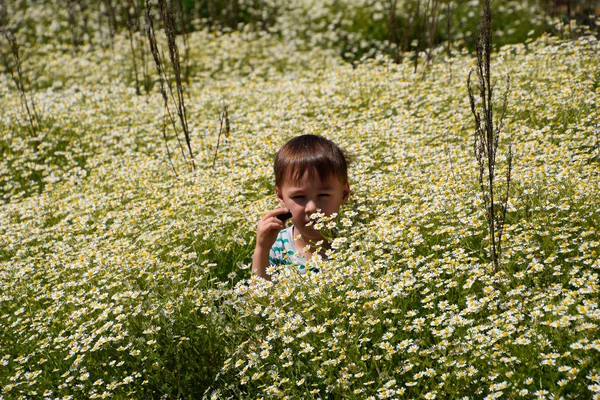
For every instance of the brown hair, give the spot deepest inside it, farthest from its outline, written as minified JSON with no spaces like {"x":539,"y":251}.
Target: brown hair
{"x":310,"y":154}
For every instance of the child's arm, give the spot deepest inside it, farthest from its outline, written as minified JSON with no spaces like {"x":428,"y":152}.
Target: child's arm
{"x":267,"y":230}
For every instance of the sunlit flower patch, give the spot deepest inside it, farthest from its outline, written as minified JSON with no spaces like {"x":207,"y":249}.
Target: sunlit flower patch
{"x":120,"y":280}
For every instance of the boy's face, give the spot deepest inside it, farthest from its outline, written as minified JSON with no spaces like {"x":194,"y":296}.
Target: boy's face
{"x":308,"y":195}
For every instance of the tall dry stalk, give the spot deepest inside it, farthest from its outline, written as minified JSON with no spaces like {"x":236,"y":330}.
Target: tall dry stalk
{"x":597,"y":134}
{"x":151,"y":35}
{"x":419,"y":34}
{"x":111,"y":18}
{"x":487,"y":135}
{"x":133,"y":17}
{"x":85,"y":23}
{"x":164,"y":79}
{"x":158,"y":61}
{"x":73,"y":24}
{"x":168,"y":17}
{"x":449,"y":28}
{"x":3,"y":14}
{"x":393,"y":28}
{"x":411,"y":22}
{"x":185,"y":34}
{"x":16,"y":73}
{"x":132,"y":24}
{"x":428,"y":25}
{"x":224,"y":123}
{"x":147,"y":81}
{"x":431,"y":28}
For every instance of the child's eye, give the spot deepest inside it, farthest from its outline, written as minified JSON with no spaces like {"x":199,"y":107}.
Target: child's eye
{"x":324,"y":195}
{"x":298,"y":197}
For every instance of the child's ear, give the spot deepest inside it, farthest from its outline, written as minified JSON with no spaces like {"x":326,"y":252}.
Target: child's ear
{"x":346,"y":192}
{"x":279,"y":195}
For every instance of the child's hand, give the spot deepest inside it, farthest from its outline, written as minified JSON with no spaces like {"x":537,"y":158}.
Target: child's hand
{"x":266,"y":234}
{"x":269,"y":226}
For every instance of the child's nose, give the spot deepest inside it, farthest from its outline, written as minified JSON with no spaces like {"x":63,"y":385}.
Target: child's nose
{"x":310,"y":208}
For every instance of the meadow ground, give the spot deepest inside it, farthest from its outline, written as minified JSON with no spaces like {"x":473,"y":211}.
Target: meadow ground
{"x":120,"y":280}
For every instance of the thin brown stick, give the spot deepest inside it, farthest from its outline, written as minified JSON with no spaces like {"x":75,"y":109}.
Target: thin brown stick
{"x":504,"y":203}
{"x":3,"y":13}
{"x":85,"y":22}
{"x":597,"y":133}
{"x":166,"y":10}
{"x":111,"y":20}
{"x":185,"y":35}
{"x":150,"y":34}
{"x":393,"y":28}
{"x":449,"y":28}
{"x":147,"y":79}
{"x":73,"y":24}
{"x":130,"y":31}
{"x":19,"y":80}
{"x":223,"y":118}
{"x":432,"y":27}
{"x":420,"y":35}
{"x":412,"y":21}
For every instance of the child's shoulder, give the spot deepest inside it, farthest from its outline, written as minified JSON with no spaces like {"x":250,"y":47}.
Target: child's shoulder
{"x":284,"y":241}
{"x":284,"y":252}
{"x":285,"y":235}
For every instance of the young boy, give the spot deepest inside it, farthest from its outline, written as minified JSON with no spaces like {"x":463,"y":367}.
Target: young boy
{"x":311,"y":173}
